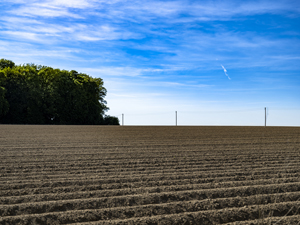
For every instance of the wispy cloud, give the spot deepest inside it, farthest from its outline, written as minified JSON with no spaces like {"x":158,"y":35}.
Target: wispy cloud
{"x":101,"y":33}
{"x":79,"y":4}
{"x":133,"y":72}
{"x":37,"y":10}
{"x":138,"y":11}
{"x":56,"y":8}
{"x":185,"y":85}
{"x":23,"y":35}
{"x":21,"y":53}
{"x":225,"y":71}
{"x":34,"y":30}
{"x":114,"y":71}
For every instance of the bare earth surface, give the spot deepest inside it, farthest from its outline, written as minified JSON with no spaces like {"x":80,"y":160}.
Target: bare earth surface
{"x":149,"y":175}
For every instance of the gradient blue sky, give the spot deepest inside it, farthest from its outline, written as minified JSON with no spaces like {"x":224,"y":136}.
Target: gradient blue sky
{"x":215,"y":62}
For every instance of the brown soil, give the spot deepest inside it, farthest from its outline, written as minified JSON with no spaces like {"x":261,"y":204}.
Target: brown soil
{"x":149,"y":175}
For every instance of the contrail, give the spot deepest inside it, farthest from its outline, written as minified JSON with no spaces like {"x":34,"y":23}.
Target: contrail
{"x":225,"y":71}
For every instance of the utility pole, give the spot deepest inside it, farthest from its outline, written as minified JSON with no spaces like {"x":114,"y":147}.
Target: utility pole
{"x":265,"y":116}
{"x":176,"y":118}
{"x":122,"y":119}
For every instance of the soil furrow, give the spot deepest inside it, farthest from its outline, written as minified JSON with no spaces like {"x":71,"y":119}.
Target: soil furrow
{"x":242,"y":194}
{"x":157,"y":214}
{"x":104,"y":191}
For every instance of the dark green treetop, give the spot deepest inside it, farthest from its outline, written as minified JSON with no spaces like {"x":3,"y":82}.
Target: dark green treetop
{"x":33,"y":94}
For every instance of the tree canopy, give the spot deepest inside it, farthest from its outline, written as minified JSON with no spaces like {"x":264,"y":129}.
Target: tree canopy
{"x":34,"y":94}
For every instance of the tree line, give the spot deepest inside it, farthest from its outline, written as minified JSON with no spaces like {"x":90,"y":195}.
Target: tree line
{"x":35,"y":94}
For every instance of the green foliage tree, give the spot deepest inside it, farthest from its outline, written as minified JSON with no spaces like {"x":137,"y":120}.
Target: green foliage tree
{"x":16,"y":95}
{"x":4,"y":63}
{"x":110,"y":120}
{"x":32,"y":94}
{"x":4,"y":106}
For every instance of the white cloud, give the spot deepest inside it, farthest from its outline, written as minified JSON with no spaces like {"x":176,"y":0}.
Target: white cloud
{"x":151,"y":9}
{"x":138,"y":11}
{"x":138,"y":95}
{"x":113,"y":71}
{"x":21,"y":52}
{"x":43,"y":11}
{"x":79,"y":4}
{"x":144,"y":11}
{"x":100,"y":33}
{"x":19,"y":28}
{"x":22,"y":35}
{"x":177,"y":84}
{"x":14,"y":22}
{"x":136,"y":71}
{"x":225,"y":71}
{"x":228,"y":10}
{"x":54,"y":8}
{"x":57,"y":8}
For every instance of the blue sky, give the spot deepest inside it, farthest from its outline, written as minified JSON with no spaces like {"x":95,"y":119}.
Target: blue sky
{"x":214,"y":62}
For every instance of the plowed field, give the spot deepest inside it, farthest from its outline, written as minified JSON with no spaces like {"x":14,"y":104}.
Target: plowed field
{"x":149,"y":175}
